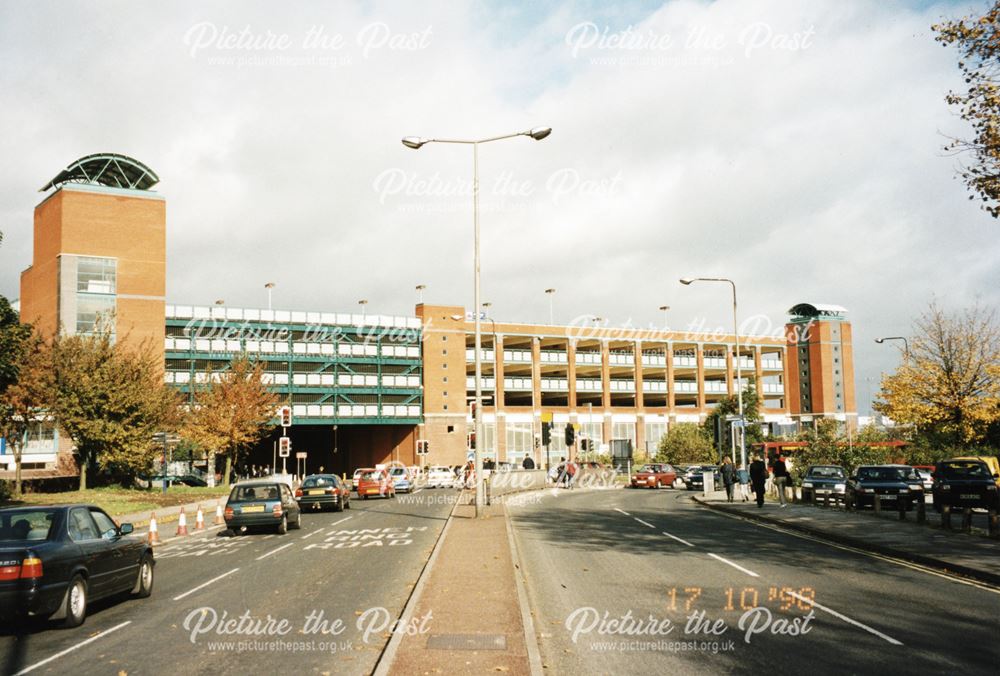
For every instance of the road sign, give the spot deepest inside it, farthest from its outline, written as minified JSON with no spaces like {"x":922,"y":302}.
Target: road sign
{"x":300,"y":455}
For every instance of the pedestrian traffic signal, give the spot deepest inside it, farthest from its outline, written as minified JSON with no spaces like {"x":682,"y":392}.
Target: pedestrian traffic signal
{"x":471,"y":439}
{"x":570,"y":434}
{"x":286,"y":416}
{"x":546,"y":433}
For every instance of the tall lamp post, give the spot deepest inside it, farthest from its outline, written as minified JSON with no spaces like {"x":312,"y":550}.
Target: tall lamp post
{"x":664,"y":309}
{"x":739,"y":373}
{"x":364,"y":307}
{"x":550,"y":293}
{"x":906,"y":343}
{"x":420,"y":293}
{"x":269,"y":286}
{"x":416,"y":142}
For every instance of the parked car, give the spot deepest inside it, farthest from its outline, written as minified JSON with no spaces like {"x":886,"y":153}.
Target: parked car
{"x":961,"y":482}
{"x":374,"y":482}
{"x":991,"y":461}
{"x":654,"y":475}
{"x":824,"y":480}
{"x":402,"y":481}
{"x":262,"y":503}
{"x":694,"y":478}
{"x":892,"y":483}
{"x":324,"y":490}
{"x":926,"y":474}
{"x":439,"y":476}
{"x":55,"y":560}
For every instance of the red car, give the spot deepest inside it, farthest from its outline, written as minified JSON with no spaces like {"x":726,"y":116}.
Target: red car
{"x":654,"y":476}
{"x":374,"y":482}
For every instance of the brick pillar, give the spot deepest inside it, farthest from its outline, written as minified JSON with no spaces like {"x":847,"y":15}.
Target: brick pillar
{"x":571,"y":373}
{"x":670,"y":378}
{"x":700,"y":361}
{"x":605,"y":375}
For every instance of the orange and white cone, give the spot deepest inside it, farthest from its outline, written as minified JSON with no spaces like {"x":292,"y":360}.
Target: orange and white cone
{"x":154,"y":534}
{"x":219,"y":521}
{"x":182,"y":524}
{"x":199,"y":520}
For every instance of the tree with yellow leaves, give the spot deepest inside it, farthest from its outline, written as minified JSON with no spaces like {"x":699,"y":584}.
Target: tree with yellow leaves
{"x":231,"y":411}
{"x":978,"y":40}
{"x":948,"y":385}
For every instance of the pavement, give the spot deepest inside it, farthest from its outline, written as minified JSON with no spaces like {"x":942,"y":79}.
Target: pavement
{"x":967,"y":554}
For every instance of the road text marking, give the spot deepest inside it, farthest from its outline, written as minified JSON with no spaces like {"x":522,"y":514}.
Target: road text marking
{"x":202,"y":586}
{"x":69,"y":650}
{"x":734,"y":565}
{"x":890,"y":639}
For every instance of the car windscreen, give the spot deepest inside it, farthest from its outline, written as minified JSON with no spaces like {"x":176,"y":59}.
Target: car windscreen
{"x":826,"y":473}
{"x":371,"y":476}
{"x":964,"y":470}
{"x":251,"y":493}
{"x":397,"y":471}
{"x":319,"y":482}
{"x":886,"y":474}
{"x":27,"y":525}
{"x":649,"y":468}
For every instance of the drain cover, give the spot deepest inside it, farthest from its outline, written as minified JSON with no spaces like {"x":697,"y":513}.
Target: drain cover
{"x":467,"y":642}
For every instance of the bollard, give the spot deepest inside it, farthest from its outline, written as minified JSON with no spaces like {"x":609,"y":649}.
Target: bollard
{"x":967,"y":520}
{"x":921,"y":511}
{"x":812,"y":498}
{"x":994,"y":524}
{"x":877,"y":504}
{"x":946,"y":517}
{"x":826,"y":501}
{"x":901,"y":505}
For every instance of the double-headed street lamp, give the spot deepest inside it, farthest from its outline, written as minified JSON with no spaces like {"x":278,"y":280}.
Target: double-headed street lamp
{"x":739,"y":373}
{"x":416,"y":142}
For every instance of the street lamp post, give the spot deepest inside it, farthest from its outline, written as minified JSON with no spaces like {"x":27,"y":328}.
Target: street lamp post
{"x":420,"y":293}
{"x":550,"y":293}
{"x":739,"y":373}
{"x":364,"y":305}
{"x":906,"y":343}
{"x":415,"y":142}
{"x":269,"y":286}
{"x":664,"y":309}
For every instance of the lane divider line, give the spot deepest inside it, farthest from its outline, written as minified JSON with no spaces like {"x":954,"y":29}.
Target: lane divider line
{"x":644,"y":523}
{"x":309,"y":535}
{"x":622,"y":511}
{"x":684,"y":542}
{"x":202,"y":586}
{"x":274,"y":551}
{"x":839,"y":616}
{"x":72,"y":648}
{"x":734,"y":565}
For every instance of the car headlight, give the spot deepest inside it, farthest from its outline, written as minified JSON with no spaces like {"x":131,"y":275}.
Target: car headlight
{"x":807,"y":484}
{"x":918,"y":488}
{"x":991,"y":487}
{"x":945,"y":487}
{"x":839,"y":487}
{"x":867,"y":490}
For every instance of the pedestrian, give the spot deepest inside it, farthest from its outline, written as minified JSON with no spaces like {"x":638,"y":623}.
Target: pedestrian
{"x":528,"y":463}
{"x":781,"y":478}
{"x":728,"y":472}
{"x":743,"y":476}
{"x":758,"y":475}
{"x":570,"y":474}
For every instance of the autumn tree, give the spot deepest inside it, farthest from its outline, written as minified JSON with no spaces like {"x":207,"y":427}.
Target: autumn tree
{"x":110,"y":399}
{"x":27,"y":400}
{"x":730,"y":406}
{"x":232,"y":410}
{"x":978,"y":41}
{"x":829,"y":443}
{"x":686,"y":442}
{"x":948,"y":385}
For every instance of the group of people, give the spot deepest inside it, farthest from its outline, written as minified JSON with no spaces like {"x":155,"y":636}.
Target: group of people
{"x":754,"y":477}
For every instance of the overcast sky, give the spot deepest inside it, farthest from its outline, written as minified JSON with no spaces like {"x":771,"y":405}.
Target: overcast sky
{"x":794,"y":147}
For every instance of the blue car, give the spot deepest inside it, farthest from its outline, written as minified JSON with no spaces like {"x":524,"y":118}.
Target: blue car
{"x":401,"y":480}
{"x":264,"y":503}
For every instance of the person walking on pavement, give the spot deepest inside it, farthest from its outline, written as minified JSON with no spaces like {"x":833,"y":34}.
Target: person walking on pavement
{"x":743,"y":476}
{"x":758,"y":475}
{"x":781,"y":477}
{"x":528,"y":463}
{"x":728,"y":472}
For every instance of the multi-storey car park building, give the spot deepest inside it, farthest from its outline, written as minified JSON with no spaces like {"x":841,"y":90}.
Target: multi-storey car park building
{"x":365,"y":388}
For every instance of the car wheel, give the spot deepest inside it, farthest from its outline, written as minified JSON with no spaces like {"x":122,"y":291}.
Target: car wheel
{"x":283,"y":526}
{"x":339,"y":507}
{"x":144,"y":583}
{"x":75,"y":602}
{"x":658,"y":485}
{"x":298,"y":522}
{"x":364,"y":497}
{"x":347,"y":502}
{"x":849,"y":503}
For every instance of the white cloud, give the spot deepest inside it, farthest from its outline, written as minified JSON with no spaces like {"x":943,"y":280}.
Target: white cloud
{"x":808,"y":174}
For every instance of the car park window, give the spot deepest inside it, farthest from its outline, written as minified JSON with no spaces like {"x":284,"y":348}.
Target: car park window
{"x":105,"y":525}
{"x":81,"y":525}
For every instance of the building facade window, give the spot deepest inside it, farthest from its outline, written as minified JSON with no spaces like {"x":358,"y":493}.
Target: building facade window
{"x":654,"y":432}
{"x":520,"y":441}
{"x":96,"y":286}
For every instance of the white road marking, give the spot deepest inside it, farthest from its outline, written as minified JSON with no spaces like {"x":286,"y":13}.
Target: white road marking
{"x":342,"y":520}
{"x":644,"y":523}
{"x":734,"y":565}
{"x":71,"y":649}
{"x":202,"y":586}
{"x":876,"y":632}
{"x":273,"y":551}
{"x":266,"y":537}
{"x":622,"y":511}
{"x":309,"y":535}
{"x":677,"y":538}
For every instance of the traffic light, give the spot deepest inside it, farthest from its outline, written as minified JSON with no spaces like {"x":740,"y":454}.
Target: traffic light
{"x":471,"y":441}
{"x":546,"y":433}
{"x":286,"y":416}
{"x":284,"y":447}
{"x":584,"y":444}
{"x":423,"y":446}
{"x":570,"y":434}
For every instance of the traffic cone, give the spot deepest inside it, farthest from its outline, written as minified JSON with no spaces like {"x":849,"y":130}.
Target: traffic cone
{"x":154,"y":534}
{"x":219,"y":521}
{"x":199,"y":520}
{"x":182,"y":524}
